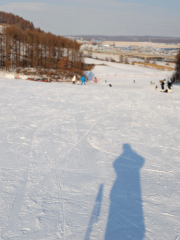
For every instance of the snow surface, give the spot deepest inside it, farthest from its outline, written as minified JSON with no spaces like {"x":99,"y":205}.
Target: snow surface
{"x":13,"y":75}
{"x":90,"y":162}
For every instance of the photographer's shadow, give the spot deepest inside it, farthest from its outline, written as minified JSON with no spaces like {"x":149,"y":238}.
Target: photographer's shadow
{"x":126,"y":219}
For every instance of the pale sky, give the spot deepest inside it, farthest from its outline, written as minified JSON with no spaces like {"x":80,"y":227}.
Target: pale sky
{"x":100,"y":17}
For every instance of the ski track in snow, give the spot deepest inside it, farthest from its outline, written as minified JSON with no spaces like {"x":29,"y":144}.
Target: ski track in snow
{"x":60,"y":143}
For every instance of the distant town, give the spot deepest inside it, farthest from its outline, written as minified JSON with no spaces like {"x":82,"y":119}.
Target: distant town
{"x":158,"y":51}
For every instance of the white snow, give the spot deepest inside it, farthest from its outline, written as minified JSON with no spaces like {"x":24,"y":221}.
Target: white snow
{"x":90,"y":162}
{"x":1,"y":28}
{"x":13,"y":75}
{"x":125,"y":73}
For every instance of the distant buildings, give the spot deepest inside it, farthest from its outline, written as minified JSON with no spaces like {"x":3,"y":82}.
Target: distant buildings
{"x":99,"y":46}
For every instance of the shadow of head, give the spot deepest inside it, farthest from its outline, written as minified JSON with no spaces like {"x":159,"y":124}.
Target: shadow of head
{"x":129,"y":160}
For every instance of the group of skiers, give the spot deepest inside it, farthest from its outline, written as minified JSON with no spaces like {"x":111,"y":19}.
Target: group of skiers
{"x":162,"y":83}
{"x":83,"y":80}
{"x":169,"y":85}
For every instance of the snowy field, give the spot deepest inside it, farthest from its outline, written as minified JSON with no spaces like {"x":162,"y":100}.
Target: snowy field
{"x":90,"y":162}
{"x":116,"y":58}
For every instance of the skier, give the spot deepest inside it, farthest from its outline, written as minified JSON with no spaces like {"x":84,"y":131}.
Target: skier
{"x":83,"y":79}
{"x":169,"y":84}
{"x":162,"y":85}
{"x":74,"y":79}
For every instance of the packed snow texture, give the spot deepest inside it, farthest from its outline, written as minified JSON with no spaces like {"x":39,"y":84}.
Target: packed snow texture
{"x":90,"y":162}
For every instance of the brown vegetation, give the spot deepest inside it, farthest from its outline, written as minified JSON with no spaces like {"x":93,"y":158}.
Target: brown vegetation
{"x":11,"y":19}
{"x":178,"y":65}
{"x":88,"y":67}
{"x":112,"y":60}
{"x":152,"y":65}
{"x":23,"y":46}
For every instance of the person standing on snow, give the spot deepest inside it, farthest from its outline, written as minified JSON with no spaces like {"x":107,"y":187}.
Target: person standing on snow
{"x":169,"y":84}
{"x":74,"y":80}
{"x":83,"y":79}
{"x":162,"y":84}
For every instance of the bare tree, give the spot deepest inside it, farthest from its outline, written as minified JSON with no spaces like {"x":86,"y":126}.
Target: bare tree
{"x":126,"y":60}
{"x":146,"y":60}
{"x":121,"y":58}
{"x":178,"y":65}
{"x":90,"y":53}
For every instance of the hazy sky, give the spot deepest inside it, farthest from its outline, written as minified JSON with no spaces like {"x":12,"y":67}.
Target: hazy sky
{"x":102,"y":17}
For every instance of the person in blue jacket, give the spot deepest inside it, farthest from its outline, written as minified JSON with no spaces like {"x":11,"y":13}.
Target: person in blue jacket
{"x":83,"y":79}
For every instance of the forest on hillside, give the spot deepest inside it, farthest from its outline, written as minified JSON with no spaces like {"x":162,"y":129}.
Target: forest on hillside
{"x":11,"y":19}
{"x":23,"y":45}
{"x":177,"y":73}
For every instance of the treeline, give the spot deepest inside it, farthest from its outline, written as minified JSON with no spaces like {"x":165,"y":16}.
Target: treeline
{"x":178,"y":65}
{"x":11,"y":19}
{"x":31,"y":47}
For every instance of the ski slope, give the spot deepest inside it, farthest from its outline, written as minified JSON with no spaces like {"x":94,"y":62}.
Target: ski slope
{"x":90,"y":162}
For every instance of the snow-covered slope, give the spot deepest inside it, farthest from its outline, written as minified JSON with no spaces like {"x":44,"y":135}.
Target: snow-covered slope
{"x":90,"y":162}
{"x":125,"y":72}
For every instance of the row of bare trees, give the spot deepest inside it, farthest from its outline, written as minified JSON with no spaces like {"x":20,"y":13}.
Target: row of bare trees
{"x":31,"y":48}
{"x":178,"y":65}
{"x":22,"y":45}
{"x":11,"y":19}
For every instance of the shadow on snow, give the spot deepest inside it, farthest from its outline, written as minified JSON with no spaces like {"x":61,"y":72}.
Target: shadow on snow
{"x":126,"y":219}
{"x":95,"y":213}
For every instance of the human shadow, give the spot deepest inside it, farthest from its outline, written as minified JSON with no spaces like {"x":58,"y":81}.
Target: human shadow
{"x":126,"y":220}
{"x":95,"y":212}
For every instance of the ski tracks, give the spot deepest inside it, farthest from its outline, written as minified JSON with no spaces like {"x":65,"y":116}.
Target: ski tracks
{"x":90,"y":130}
{"x":16,"y":207}
{"x":19,"y":200}
{"x":51,"y":159}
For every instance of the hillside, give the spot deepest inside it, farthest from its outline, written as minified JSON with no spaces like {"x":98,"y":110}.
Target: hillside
{"x":11,"y":19}
{"x":24,"y":46}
